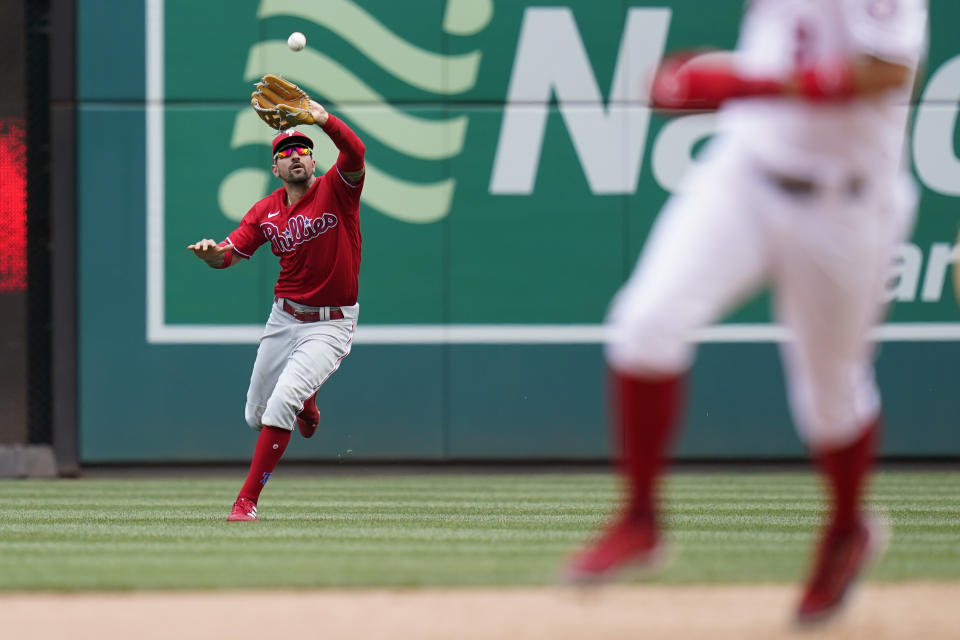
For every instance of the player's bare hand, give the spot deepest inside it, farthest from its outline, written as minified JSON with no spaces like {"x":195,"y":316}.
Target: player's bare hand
{"x":208,"y":250}
{"x":318,"y":112}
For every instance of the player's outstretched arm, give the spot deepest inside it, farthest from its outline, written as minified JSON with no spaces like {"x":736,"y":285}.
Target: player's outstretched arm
{"x":860,"y":77}
{"x":697,"y":81}
{"x":216,"y":255}
{"x":684,"y":83}
{"x":352,"y":149}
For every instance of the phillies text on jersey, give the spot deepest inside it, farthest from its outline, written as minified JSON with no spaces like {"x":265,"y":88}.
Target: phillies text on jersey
{"x":317,"y":240}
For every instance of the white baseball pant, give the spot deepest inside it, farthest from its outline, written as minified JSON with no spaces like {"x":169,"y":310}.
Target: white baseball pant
{"x":826,"y":255}
{"x":293,"y":360}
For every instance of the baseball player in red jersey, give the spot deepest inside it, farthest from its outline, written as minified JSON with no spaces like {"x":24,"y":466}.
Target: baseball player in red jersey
{"x":313,"y":225}
{"x":803,"y":190}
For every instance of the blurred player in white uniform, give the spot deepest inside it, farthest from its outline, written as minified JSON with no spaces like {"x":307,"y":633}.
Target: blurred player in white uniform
{"x":804,"y":190}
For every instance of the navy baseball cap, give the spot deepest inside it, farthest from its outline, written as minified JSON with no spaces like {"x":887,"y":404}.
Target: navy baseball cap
{"x":290,"y":138}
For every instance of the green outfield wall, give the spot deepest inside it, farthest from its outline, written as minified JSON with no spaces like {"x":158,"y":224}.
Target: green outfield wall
{"x":514,"y":171}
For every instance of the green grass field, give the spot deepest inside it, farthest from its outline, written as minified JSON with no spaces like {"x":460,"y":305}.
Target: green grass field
{"x":435,"y":529}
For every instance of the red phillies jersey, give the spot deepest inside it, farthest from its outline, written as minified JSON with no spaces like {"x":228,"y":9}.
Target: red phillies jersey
{"x":317,"y":240}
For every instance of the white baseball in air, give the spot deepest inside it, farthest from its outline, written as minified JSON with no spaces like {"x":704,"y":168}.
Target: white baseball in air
{"x":297,"y":41}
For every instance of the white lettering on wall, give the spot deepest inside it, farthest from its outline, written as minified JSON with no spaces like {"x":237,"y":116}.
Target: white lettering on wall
{"x":903,"y":282}
{"x":933,"y":132}
{"x":551,"y":60}
{"x":673,"y":148}
{"x":941,"y":257}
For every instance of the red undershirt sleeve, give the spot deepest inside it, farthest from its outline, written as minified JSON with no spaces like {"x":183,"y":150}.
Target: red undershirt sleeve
{"x":351,"y":147}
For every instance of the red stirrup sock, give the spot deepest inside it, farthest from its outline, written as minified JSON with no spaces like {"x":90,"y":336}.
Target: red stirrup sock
{"x":646,"y":410}
{"x":846,"y":469}
{"x":270,"y":447}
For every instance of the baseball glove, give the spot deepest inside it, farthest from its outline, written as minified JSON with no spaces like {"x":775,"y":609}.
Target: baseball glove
{"x":280,"y":103}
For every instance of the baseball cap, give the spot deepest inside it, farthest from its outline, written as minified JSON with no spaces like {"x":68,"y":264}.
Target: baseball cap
{"x":290,"y":138}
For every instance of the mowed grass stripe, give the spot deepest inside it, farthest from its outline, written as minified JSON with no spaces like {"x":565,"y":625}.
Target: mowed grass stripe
{"x":436,"y":529}
{"x":924,"y":482}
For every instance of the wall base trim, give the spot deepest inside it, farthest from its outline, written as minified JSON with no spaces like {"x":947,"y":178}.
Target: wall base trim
{"x":27,"y":461}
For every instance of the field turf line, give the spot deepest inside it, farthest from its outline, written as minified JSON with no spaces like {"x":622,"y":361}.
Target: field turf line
{"x":435,"y":529}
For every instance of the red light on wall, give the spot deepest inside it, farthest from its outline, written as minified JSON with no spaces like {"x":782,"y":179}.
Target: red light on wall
{"x":13,"y":205}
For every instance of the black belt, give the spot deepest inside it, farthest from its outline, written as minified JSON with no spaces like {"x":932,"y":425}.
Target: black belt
{"x":803,"y":187}
{"x":335,"y":313}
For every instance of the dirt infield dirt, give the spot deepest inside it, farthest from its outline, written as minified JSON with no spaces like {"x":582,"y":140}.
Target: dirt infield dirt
{"x":878,"y":612}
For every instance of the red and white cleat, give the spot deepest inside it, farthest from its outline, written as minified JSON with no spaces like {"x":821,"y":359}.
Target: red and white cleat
{"x":627,"y":544}
{"x":307,"y":425}
{"x":244,"y":510}
{"x":309,"y":418}
{"x":842,"y":557}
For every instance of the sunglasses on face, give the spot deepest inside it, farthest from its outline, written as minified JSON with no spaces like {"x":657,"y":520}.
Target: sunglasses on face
{"x":286,"y":153}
